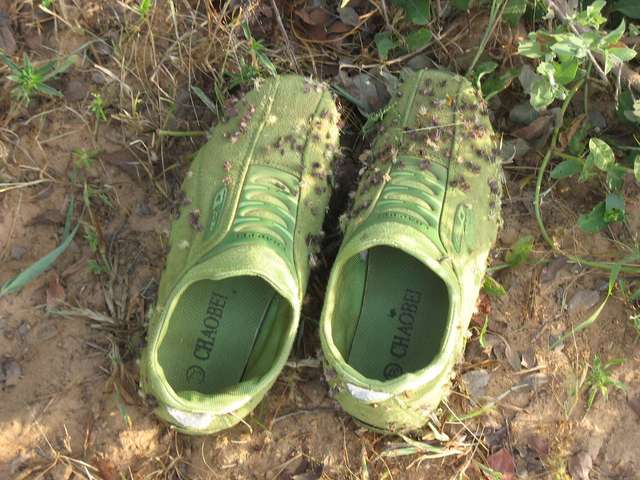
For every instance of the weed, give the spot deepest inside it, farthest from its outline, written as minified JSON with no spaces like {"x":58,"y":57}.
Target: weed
{"x":16,"y":283}
{"x":97,"y":107}
{"x":83,"y":158}
{"x":569,"y":52}
{"x":96,"y":267}
{"x":258,"y":51}
{"x":144,"y":7}
{"x":600,"y":160}
{"x":599,"y":380}
{"x":31,"y":80}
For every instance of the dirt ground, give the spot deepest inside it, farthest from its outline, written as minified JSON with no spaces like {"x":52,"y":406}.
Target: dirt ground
{"x":69,"y":341}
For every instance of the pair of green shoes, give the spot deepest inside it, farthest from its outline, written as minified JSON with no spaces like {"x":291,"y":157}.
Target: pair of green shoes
{"x":403,"y":286}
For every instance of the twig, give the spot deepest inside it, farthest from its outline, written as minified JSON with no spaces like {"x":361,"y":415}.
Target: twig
{"x":182,"y":133}
{"x":385,"y":14}
{"x":284,"y":34}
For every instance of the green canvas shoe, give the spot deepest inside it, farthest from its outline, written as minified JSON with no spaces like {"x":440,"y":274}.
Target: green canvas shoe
{"x":405,"y":282}
{"x":230,"y":296}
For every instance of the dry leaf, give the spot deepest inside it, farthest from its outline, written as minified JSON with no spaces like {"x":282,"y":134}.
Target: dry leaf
{"x":568,"y":134}
{"x":502,"y":461}
{"x":536,"y":129}
{"x":580,"y":465}
{"x":339,"y":27}
{"x":107,"y":468}
{"x":7,"y":41}
{"x":314,"y":16}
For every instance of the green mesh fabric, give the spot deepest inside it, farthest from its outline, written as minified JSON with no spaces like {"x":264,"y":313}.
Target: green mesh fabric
{"x":416,"y":241}
{"x":229,"y":299}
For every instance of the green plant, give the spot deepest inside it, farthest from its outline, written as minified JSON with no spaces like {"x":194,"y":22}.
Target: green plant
{"x":95,"y":266}
{"x":386,"y":42}
{"x":46,"y":3}
{"x":490,"y":81}
{"x":97,"y":107}
{"x":249,"y":71}
{"x":600,"y":159}
{"x":84,"y":158}
{"x":568,"y":52}
{"x":31,"y":80}
{"x":518,"y":254}
{"x":258,"y":51}
{"x":144,"y":7}
{"x":16,"y":283}
{"x":599,"y":380}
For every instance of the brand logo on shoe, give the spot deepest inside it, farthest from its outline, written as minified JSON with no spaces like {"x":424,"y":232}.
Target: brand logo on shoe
{"x":216,"y":210}
{"x":206,"y":340}
{"x":404,"y":318}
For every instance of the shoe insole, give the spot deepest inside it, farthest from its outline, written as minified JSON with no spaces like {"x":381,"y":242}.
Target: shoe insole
{"x":212,"y":332}
{"x":403,"y":318}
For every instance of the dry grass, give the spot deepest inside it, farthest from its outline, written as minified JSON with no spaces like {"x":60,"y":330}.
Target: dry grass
{"x":149,"y":68}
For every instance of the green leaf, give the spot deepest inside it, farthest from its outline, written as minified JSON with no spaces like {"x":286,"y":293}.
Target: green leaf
{"x":47,"y":90}
{"x":418,"y":11}
{"x":600,"y":154}
{"x":542,"y":93}
{"x":570,"y":45}
{"x":384,"y":43}
{"x":490,"y":286}
{"x":615,"y":176}
{"x":418,"y":39}
{"x":520,"y":251}
{"x":630,"y":8}
{"x":9,"y":63}
{"x":613,"y":36}
{"x":566,"y":168}
{"x":266,"y":62}
{"x":496,"y":83}
{"x":59,"y":68}
{"x":614,"y":56}
{"x":565,"y":72}
{"x":36,"y":268}
{"x":592,"y":16}
{"x":593,"y":221}
{"x":628,"y":108}
{"x":636,"y":167}
{"x":481,"y":70}
{"x":530,"y":48}
{"x":204,"y":99}
{"x":582,"y":325}
{"x":513,"y":11}
{"x":614,"y":208}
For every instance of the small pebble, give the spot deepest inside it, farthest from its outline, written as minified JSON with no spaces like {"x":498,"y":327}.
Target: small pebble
{"x":476,"y":382}
{"x":143,"y":210}
{"x":23,"y":328}
{"x":10,"y":372}
{"x":583,"y":300}
{"x":18,"y":252}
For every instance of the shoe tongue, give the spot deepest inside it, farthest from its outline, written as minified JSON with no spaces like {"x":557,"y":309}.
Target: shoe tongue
{"x":250,"y":259}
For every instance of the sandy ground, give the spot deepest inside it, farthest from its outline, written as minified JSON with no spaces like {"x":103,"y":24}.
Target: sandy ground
{"x":59,"y":411}
{"x":69,"y":343}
